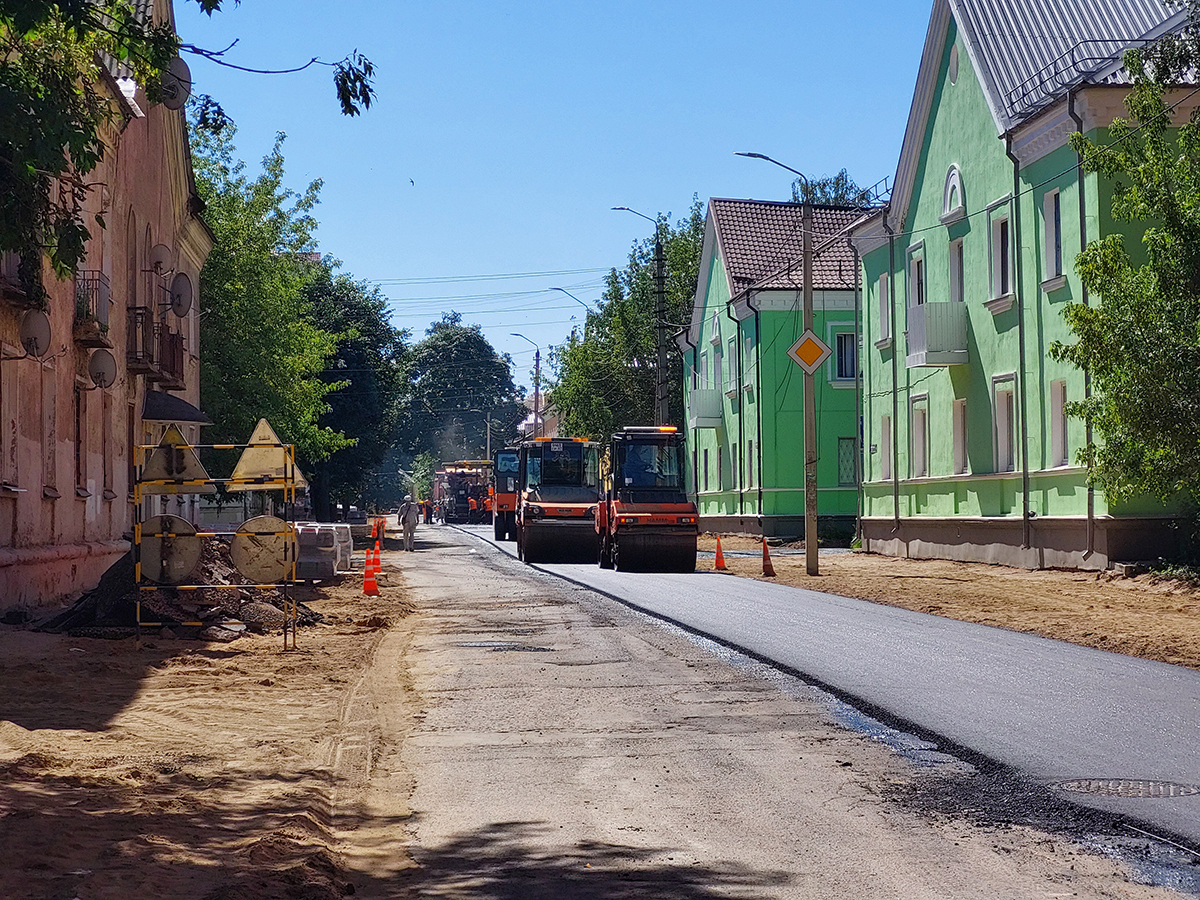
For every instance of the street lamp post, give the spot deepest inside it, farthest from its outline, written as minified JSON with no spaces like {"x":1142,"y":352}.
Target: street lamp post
{"x":810,"y":389}
{"x":661,"y":412}
{"x":537,"y":384}
{"x":572,"y":296}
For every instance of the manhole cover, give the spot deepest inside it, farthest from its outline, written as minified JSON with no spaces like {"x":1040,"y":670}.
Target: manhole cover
{"x":510,"y":646}
{"x":1128,"y":787}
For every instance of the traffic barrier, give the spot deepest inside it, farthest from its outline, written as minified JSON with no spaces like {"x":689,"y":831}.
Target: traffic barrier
{"x":768,"y":569}
{"x":720,"y":561}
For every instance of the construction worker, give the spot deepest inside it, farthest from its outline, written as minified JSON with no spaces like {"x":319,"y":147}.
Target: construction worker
{"x":409,"y":514}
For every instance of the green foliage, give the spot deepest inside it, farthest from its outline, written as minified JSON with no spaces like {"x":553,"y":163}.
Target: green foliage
{"x":605,"y":379}
{"x":456,"y":379}
{"x":55,"y":110}
{"x":261,"y":354}
{"x":832,"y":190}
{"x":1141,"y":342}
{"x":423,"y":468}
{"x":369,"y":362}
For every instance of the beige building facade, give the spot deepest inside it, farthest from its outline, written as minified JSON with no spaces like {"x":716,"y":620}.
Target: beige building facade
{"x":66,"y":460}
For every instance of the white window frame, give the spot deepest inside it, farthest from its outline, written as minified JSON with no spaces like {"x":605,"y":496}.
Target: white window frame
{"x":704,"y":377}
{"x":731,"y":381}
{"x":918,"y":437}
{"x":750,"y":462}
{"x":718,"y":369}
{"x":885,"y":309}
{"x":1000,"y":256}
{"x":1004,"y":415}
{"x":848,"y":339}
{"x":962,"y":458}
{"x":1053,"y":268}
{"x":918,"y":277}
{"x":1060,"y":449}
{"x":885,"y":448}
{"x":10,"y":411}
{"x":705,"y":470}
{"x":957,"y":273}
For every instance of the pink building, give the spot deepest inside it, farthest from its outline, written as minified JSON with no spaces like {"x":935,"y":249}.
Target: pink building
{"x":66,"y":507}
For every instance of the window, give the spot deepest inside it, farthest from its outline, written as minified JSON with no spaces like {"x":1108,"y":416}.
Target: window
{"x":706,"y":469}
{"x":106,"y":426}
{"x":750,"y":463}
{"x":847,"y":352}
{"x":885,"y":309}
{"x":1052,"y":211}
{"x":131,"y":453}
{"x":747,"y":358}
{"x":885,"y":448}
{"x":919,"y":438}
{"x":847,"y":461}
{"x":49,"y":428}
{"x":9,"y":425}
{"x":720,"y":468}
{"x":1005,"y":424}
{"x":80,"y":437}
{"x":704,"y":383}
{"x":695,"y":372}
{"x":736,"y":469}
{"x":959,"y":424}
{"x":916,"y":279}
{"x":1001,"y":259}
{"x":718,"y":376}
{"x":1059,"y":451}
{"x":732,"y":363}
{"x":957,"y":283}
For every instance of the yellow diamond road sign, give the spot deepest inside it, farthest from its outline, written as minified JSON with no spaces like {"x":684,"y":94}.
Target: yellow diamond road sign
{"x":809,"y":352}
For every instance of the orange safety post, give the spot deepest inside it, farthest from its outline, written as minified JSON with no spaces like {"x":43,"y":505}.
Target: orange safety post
{"x":720,"y":562}
{"x":768,"y":569}
{"x":370,"y":585}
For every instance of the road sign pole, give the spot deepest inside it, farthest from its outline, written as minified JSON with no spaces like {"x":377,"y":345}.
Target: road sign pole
{"x":810,"y":408}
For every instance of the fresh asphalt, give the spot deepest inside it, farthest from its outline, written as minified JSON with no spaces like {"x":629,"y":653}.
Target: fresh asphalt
{"x":1050,"y":710}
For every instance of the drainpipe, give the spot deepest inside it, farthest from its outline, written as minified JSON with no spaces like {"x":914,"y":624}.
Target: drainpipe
{"x":858,"y":398}
{"x":737,"y":328}
{"x":758,"y":402}
{"x":895,"y":377}
{"x":1020,"y":291}
{"x":1087,"y":376}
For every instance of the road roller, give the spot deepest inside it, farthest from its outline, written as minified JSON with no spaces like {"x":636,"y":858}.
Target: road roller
{"x":506,"y":467}
{"x":645,"y":520}
{"x":558,"y":488}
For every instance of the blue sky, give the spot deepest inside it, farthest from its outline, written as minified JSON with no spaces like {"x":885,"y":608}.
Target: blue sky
{"x":504,"y":132}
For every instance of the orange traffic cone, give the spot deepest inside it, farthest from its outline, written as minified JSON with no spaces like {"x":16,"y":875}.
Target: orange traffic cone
{"x":370,"y":585}
{"x":768,"y":569}
{"x":720,"y":561}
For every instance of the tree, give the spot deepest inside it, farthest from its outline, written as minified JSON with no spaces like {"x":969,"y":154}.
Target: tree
{"x":456,"y":381}
{"x":832,"y":190}
{"x":1141,"y":342}
{"x":369,"y":361}
{"x":605,"y":379}
{"x":53,"y":111}
{"x":261,"y":355}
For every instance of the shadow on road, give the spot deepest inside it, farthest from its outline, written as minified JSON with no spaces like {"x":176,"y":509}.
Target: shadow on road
{"x":524,"y":861}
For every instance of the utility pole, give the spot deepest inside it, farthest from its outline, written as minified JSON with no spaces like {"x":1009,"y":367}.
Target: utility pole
{"x":662,"y":413}
{"x":537,"y":385}
{"x":489,"y":436}
{"x":810,"y":386}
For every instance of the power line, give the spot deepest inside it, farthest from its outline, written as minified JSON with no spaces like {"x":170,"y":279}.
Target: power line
{"x":459,"y":279}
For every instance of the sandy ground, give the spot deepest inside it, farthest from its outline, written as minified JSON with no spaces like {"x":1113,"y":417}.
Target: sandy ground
{"x":1135,"y":616}
{"x":180,"y":769}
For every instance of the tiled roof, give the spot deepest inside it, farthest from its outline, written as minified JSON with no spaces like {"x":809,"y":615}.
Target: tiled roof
{"x":761,"y":244}
{"x":1031,"y":51}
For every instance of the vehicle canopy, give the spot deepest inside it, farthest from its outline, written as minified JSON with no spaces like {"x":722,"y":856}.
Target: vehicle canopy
{"x":560,"y":470}
{"x":506,"y":470}
{"x":646,"y":465}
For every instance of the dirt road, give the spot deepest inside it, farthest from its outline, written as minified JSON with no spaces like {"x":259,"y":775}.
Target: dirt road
{"x":482,"y":731}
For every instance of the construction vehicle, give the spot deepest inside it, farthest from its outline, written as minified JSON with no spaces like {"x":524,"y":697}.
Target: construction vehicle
{"x":506,"y":469}
{"x":463,"y":489}
{"x":557,"y":494}
{"x":645,"y":520}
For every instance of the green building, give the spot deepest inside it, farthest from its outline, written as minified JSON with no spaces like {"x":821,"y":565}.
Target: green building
{"x":743,"y":394}
{"x":969,"y":454}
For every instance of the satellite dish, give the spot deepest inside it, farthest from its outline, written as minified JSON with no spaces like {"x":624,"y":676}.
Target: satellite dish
{"x":181,"y":294}
{"x":161,"y":258}
{"x":102,"y":367}
{"x":176,"y":84}
{"x":35,"y":333}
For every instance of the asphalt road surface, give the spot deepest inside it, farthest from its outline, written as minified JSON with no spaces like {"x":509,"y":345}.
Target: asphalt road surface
{"x":1099,"y":728}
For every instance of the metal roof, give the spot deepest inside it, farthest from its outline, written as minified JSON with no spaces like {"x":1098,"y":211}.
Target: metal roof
{"x":1029,"y":52}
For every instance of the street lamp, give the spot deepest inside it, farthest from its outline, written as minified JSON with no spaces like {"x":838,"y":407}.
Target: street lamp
{"x":537,"y":383}
{"x":572,"y":296}
{"x":661,"y":412}
{"x":810,"y":390}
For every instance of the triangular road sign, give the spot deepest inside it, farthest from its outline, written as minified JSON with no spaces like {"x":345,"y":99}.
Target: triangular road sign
{"x":264,"y":463}
{"x":174,"y":468}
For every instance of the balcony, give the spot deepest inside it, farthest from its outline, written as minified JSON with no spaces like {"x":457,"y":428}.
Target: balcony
{"x":141,"y":348}
{"x":93,"y":297}
{"x":704,"y":408}
{"x":937,"y":335}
